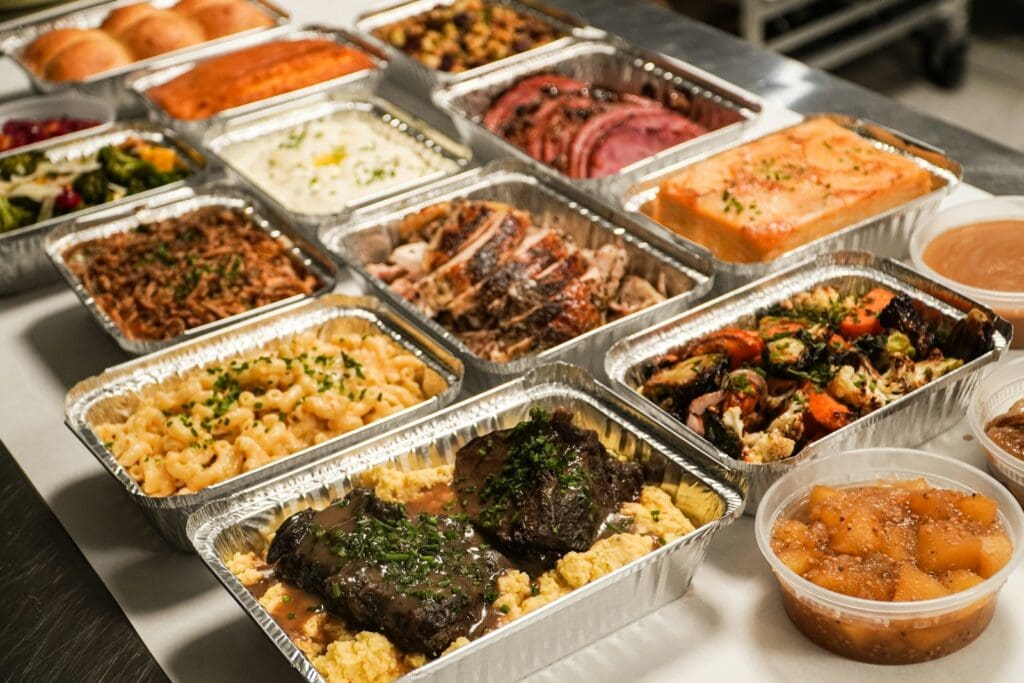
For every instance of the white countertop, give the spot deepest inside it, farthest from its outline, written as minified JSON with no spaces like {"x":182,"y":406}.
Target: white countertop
{"x":730,"y":626}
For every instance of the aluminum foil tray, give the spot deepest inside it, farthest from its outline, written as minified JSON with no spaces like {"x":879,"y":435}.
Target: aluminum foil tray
{"x":114,"y":392}
{"x":410,"y":74}
{"x":110,"y":85}
{"x":23,"y":260}
{"x":366,"y":79}
{"x":886,"y":234}
{"x":908,"y":421}
{"x":323,"y":105}
{"x":170,"y":205}
{"x":611,"y":63}
{"x":371,"y":234}
{"x":551,"y":632}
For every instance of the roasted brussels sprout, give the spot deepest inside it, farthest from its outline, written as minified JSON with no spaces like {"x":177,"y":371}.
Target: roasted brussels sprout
{"x":675,"y":386}
{"x":786,"y":353}
{"x":725,"y":439}
{"x":970,"y":337}
{"x":902,"y":316}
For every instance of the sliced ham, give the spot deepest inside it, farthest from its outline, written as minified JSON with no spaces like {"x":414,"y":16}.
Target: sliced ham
{"x":587,"y":131}
{"x":613,"y":141}
{"x":525,"y":96}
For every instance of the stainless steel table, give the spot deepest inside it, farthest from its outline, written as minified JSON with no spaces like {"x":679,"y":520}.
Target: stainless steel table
{"x":48,"y":343}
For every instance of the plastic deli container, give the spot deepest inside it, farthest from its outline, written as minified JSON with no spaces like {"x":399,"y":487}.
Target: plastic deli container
{"x":872,"y":630}
{"x":1000,"y":389}
{"x":1009,"y":305}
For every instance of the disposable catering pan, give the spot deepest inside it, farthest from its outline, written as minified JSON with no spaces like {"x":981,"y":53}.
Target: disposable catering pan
{"x":366,"y":79}
{"x":69,"y":105}
{"x":614,"y":64}
{"x":886,"y":234}
{"x":324,"y":105}
{"x":23,"y":260}
{"x":413,"y":75}
{"x":369,"y":236}
{"x":907,"y":421}
{"x":114,"y":392}
{"x":110,"y":85}
{"x":540,"y":637}
{"x":173,"y":204}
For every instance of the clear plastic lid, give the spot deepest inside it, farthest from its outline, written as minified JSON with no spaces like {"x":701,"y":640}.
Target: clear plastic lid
{"x":868,"y":466}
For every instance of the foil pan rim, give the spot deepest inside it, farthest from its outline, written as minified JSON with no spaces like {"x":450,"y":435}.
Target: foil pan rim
{"x":318,"y":311}
{"x":331,"y":235}
{"x":629,"y":352}
{"x":210,"y":193}
{"x":205,"y":525}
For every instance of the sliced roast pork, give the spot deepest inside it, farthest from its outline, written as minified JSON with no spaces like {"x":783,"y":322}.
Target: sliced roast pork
{"x":504,"y":286}
{"x":543,"y":487}
{"x":422,"y":581}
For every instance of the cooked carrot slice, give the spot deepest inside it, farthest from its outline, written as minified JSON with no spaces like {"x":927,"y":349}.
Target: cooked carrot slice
{"x":864,"y":320}
{"x":739,"y":345}
{"x":780,"y":327}
{"x":826,"y":411}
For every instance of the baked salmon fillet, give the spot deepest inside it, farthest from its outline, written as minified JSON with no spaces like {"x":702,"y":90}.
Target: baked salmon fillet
{"x":759,"y":200}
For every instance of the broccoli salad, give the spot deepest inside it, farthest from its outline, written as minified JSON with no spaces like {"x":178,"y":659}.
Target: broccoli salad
{"x":811,"y":365}
{"x":34,"y":188}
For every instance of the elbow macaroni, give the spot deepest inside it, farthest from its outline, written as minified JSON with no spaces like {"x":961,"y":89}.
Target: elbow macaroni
{"x":214,"y":423}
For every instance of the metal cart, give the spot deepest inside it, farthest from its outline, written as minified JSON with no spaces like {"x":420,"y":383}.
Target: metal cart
{"x":826,"y":34}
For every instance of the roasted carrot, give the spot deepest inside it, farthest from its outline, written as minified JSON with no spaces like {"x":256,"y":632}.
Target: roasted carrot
{"x":771,"y":327}
{"x":864,"y":319}
{"x":739,"y":345}
{"x":826,"y":411}
{"x":837,"y":343}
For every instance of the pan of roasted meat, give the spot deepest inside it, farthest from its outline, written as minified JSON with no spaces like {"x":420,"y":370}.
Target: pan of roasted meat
{"x":169,"y":268}
{"x":597,"y":109}
{"x":848,"y":348}
{"x":512,"y":269}
{"x":478,"y":544}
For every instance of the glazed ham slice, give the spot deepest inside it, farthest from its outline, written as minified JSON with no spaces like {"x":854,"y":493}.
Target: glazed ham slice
{"x":587,"y":131}
{"x":525,"y":97}
{"x":625,"y":136}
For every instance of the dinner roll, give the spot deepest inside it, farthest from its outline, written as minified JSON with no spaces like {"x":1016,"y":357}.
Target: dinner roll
{"x":44,"y":48}
{"x":224,"y":17}
{"x":160,"y":32}
{"x":92,"y":54}
{"x":123,"y":18}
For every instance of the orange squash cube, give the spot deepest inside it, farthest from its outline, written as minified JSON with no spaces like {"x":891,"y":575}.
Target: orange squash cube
{"x":960,"y":580}
{"x":798,"y":559}
{"x":943,"y":546}
{"x":914,"y":584}
{"x":995,"y":552}
{"x":822,"y":494}
{"x":859,"y":534}
{"x":979,"y":508}
{"x":935,"y":504}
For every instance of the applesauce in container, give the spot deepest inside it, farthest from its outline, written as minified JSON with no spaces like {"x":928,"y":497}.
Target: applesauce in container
{"x":890,"y":556}
{"x":978,"y":248}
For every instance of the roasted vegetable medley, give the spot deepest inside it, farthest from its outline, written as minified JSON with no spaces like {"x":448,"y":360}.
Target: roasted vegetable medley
{"x":34,"y":188}
{"x":815,"y":363}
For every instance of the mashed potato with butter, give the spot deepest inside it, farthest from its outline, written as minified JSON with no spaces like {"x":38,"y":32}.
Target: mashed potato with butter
{"x":366,"y":657}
